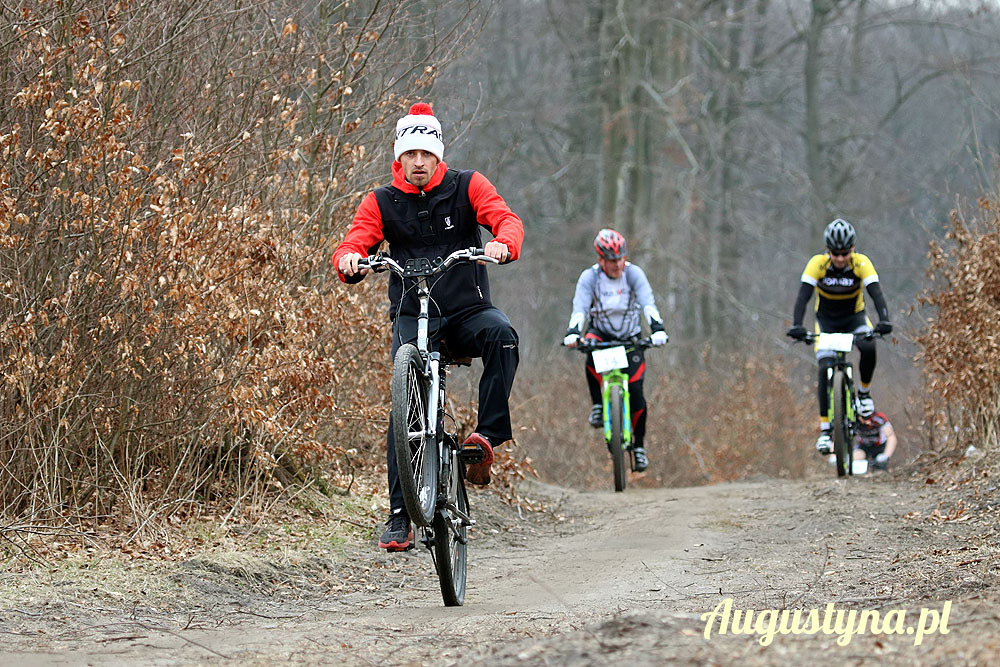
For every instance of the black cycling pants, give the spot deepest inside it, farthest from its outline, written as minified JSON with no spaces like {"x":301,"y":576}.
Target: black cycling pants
{"x":486,"y":334}
{"x":636,"y":374}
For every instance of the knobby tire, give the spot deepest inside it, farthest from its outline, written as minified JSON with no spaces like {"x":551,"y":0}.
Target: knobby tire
{"x":416,"y":455}
{"x":450,"y":542}
{"x":615,"y":404}
{"x":841,"y":433}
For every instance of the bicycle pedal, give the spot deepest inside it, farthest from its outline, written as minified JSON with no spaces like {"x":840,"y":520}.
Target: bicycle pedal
{"x":471,"y":454}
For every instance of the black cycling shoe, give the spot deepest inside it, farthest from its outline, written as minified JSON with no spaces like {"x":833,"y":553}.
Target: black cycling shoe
{"x":398,"y":534}
{"x":596,"y":417}
{"x":641,"y":462}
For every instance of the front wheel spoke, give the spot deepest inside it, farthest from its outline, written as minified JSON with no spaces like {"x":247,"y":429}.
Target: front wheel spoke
{"x":418,"y":459}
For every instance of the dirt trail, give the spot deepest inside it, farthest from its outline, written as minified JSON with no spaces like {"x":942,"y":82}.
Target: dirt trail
{"x":601,"y":576}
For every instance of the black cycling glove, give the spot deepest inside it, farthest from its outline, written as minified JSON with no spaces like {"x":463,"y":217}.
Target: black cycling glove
{"x":797,"y":332}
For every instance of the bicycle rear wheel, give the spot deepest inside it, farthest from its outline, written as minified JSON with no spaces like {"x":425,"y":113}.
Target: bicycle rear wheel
{"x":841,"y":432}
{"x":451,"y":541}
{"x":416,"y":454}
{"x":616,"y":406}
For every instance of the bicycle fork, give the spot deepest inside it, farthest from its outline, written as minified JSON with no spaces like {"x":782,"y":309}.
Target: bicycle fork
{"x":849,"y":407}
{"x":621,"y":379}
{"x":446,"y":447}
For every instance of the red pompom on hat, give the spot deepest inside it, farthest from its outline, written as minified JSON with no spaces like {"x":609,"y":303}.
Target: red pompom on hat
{"x":419,"y":130}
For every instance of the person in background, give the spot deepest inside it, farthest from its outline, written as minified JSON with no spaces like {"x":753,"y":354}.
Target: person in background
{"x":609,"y":297}
{"x":876,"y":439}
{"x":838,"y":277}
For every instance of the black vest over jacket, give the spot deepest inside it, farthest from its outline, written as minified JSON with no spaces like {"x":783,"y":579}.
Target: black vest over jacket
{"x":432,"y":225}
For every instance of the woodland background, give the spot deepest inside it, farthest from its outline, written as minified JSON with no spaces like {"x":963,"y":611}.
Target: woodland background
{"x":174,"y":177}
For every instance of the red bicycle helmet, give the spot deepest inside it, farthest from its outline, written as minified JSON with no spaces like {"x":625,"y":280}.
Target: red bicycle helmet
{"x":609,"y":244}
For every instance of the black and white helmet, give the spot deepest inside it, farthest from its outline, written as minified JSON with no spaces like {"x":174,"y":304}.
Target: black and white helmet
{"x":840,"y":235}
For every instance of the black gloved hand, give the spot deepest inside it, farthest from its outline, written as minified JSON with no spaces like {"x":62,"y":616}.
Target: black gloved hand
{"x":797,"y":332}
{"x":883,"y":328}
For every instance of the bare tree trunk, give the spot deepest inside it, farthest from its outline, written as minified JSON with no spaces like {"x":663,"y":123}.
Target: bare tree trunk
{"x":812,"y":130}
{"x":854,"y":85}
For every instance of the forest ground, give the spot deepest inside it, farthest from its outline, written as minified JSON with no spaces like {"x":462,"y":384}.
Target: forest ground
{"x":593,"y":577}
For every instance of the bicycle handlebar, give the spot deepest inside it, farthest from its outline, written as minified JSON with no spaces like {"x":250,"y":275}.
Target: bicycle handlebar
{"x":585,"y":345}
{"x":422,"y":266}
{"x":811,"y":336}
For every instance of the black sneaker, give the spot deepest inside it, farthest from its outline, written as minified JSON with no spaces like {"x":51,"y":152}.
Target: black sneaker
{"x":398,"y":534}
{"x":596,"y":417}
{"x":641,"y":462}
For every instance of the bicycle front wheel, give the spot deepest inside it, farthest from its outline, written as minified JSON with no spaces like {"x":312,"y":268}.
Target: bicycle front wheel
{"x":841,"y":432}
{"x":451,"y":541}
{"x":616,"y":406}
{"x":416,"y":454}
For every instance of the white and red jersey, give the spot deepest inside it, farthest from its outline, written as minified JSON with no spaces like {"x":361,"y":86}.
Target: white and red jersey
{"x":873,"y":433}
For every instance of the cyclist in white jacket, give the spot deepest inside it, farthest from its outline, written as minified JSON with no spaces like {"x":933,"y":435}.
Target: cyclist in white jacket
{"x":609,"y":297}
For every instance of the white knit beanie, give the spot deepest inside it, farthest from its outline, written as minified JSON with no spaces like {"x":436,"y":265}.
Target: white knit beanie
{"x":419,"y":130}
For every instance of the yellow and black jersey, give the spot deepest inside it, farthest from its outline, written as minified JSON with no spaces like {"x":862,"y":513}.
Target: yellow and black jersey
{"x":839,"y":293}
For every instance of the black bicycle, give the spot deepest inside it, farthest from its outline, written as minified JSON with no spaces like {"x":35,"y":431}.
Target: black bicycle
{"x":431,"y":473}
{"x":843,"y":399}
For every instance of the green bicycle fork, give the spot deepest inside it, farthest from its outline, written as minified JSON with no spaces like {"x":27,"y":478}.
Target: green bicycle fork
{"x":610,"y":379}
{"x":848,"y":399}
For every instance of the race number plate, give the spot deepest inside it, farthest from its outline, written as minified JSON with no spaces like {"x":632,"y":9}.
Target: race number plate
{"x":610,"y":358}
{"x":838,"y":342}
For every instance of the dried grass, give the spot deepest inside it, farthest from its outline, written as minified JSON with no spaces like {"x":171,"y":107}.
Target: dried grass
{"x":718,"y":417}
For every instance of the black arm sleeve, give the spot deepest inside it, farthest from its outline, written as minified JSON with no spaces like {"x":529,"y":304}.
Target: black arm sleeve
{"x":799,"y":312}
{"x":878,"y":299}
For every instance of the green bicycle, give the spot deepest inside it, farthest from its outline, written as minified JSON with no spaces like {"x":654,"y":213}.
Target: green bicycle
{"x":843,"y":399}
{"x":611,"y":360}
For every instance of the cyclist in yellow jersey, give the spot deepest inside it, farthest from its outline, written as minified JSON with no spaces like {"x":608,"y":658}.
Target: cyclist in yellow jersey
{"x":838,"y":277}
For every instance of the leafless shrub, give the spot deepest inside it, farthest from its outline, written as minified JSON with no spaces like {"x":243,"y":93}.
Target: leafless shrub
{"x":172,"y":177}
{"x":959,"y":347}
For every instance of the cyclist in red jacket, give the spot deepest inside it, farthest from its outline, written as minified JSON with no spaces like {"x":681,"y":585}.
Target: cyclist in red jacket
{"x":429,"y":211}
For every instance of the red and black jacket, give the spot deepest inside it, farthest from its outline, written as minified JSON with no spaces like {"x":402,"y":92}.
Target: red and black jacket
{"x":443,"y":217}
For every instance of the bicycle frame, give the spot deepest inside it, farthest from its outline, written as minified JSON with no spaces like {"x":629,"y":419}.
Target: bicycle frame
{"x":841,"y":344}
{"x":421,"y":269}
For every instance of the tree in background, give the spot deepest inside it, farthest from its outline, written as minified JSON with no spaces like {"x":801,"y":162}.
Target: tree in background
{"x":721,"y":137}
